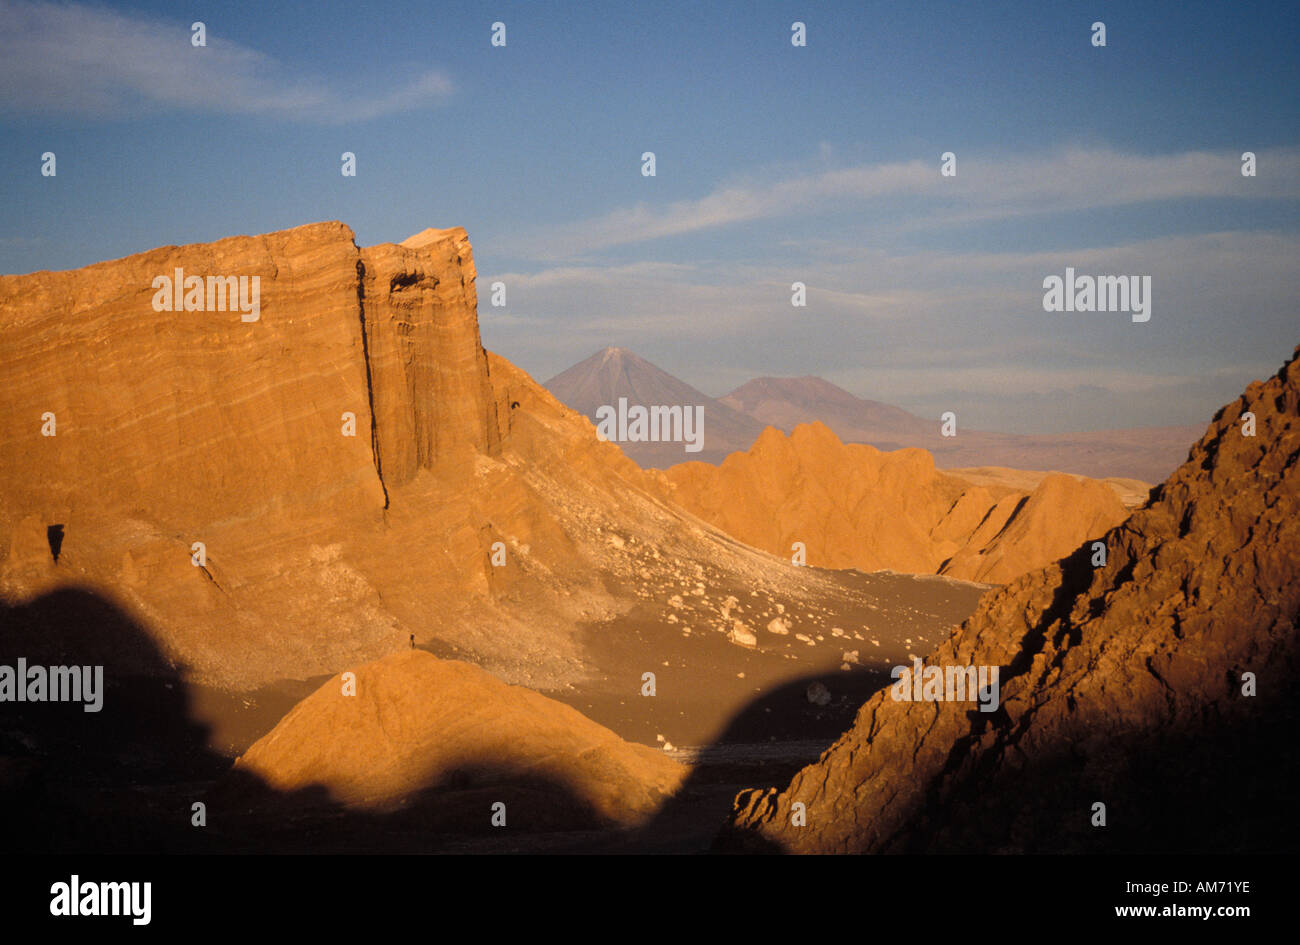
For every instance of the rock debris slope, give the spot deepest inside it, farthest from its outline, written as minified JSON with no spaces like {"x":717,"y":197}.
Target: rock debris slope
{"x":1121,"y":685}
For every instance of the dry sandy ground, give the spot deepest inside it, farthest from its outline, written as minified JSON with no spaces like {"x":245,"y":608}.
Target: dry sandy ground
{"x":708,"y":688}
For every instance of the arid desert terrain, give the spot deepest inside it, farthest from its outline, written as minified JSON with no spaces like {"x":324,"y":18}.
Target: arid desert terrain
{"x":357,"y":584}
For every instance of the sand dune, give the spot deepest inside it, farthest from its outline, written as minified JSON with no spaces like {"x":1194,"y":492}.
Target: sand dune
{"x":419,"y":726}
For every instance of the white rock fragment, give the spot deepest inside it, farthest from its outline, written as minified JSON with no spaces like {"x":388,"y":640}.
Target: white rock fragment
{"x":778,"y":626}
{"x":818,"y":694}
{"x":741,"y":635}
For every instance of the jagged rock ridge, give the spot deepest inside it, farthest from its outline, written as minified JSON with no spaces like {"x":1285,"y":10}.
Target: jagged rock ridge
{"x":1148,"y":454}
{"x":1120,"y":684}
{"x":853,"y":506}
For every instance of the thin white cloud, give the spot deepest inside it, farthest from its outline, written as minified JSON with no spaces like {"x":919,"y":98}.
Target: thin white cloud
{"x":893,"y":325}
{"x":985,"y":188}
{"x":878,"y":286}
{"x":91,"y":61}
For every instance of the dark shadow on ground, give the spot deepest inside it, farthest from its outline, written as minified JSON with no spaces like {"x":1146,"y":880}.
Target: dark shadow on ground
{"x":125,"y":779}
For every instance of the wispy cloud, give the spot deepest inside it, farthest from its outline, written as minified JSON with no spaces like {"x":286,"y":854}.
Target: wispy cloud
{"x":985,"y":188}
{"x":917,"y":327}
{"x":90,"y":61}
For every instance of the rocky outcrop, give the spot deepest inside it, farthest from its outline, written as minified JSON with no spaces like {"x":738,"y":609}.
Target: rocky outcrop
{"x":192,"y":415}
{"x":432,"y":399}
{"x":419,"y":729}
{"x":1021,"y":533}
{"x":1161,"y":685}
{"x":853,"y":506}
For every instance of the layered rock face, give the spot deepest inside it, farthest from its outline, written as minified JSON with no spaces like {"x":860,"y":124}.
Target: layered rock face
{"x":853,"y":506}
{"x":199,"y":414}
{"x":1161,"y":685}
{"x":432,"y":398}
{"x":263,"y":439}
{"x":185,"y":413}
{"x":416,"y":724}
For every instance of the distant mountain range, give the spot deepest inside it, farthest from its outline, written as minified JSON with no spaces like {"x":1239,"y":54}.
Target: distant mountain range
{"x":607,"y":375}
{"x":732,"y":423}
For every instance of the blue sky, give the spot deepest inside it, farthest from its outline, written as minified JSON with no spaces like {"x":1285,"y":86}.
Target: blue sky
{"x":774,"y":164}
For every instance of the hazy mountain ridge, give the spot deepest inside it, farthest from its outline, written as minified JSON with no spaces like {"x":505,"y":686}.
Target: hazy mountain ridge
{"x":733,"y":422}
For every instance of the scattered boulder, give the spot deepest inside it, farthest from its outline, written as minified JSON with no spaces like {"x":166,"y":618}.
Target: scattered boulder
{"x":818,"y":694}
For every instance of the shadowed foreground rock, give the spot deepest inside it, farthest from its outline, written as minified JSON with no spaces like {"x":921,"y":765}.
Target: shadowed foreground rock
{"x":1121,"y":685}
